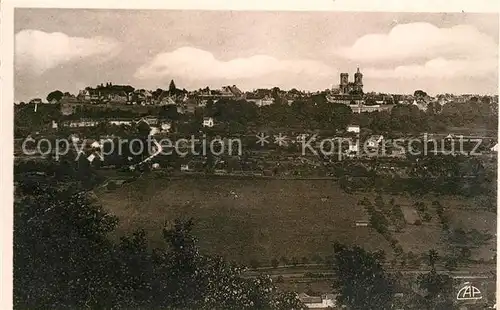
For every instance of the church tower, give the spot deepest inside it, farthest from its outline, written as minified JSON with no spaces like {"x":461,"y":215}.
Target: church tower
{"x":344,"y":81}
{"x":358,"y":81}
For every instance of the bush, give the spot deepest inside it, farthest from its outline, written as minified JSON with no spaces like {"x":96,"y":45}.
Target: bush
{"x":439,"y":210}
{"x":465,"y":254}
{"x":254,"y":264}
{"x":284,"y":260}
{"x":365,"y":202}
{"x":427,"y":217}
{"x":379,"y":222}
{"x":111,"y":185}
{"x":379,"y":202}
{"x":398,"y":250}
{"x":420,"y":206}
{"x":393,"y":263}
{"x":451,"y":263}
{"x":275,"y":263}
{"x":397,"y":213}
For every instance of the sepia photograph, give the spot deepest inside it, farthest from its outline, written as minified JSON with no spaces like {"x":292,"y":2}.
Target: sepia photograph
{"x":254,"y":159}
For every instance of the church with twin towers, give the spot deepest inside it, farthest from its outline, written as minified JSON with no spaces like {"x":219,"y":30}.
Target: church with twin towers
{"x":351,"y":88}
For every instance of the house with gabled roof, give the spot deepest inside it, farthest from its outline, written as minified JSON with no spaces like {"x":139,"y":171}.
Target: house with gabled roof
{"x":374,"y":141}
{"x":150,"y":120}
{"x":231,"y":91}
{"x":208,"y":122}
{"x":353,"y":129}
{"x":121,"y":121}
{"x":80,"y":123}
{"x":167,"y":100}
{"x":259,"y":99}
{"x":325,"y":301}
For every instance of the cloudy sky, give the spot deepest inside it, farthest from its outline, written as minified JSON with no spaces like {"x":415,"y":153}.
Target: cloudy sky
{"x":397,"y":52}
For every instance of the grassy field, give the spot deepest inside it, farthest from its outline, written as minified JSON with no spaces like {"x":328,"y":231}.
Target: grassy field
{"x":245,"y":220}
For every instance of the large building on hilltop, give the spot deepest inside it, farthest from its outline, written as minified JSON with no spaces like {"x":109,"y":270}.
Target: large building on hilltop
{"x":351,"y":88}
{"x":108,"y":93}
{"x":352,"y":95}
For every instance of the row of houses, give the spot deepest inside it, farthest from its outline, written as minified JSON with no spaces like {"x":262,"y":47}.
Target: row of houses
{"x":109,"y":92}
{"x":228,"y":92}
{"x":164,"y":125}
{"x":371,"y":102}
{"x":325,"y":301}
{"x":357,"y":103}
{"x":125,"y":94}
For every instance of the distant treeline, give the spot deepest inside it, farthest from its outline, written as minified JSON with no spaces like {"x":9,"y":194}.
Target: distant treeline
{"x":312,"y":113}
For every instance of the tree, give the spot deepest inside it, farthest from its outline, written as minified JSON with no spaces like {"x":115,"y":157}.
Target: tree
{"x":370,"y":101}
{"x":169,"y":112}
{"x":437,"y":290}
{"x":284,"y":260}
{"x":156,"y":94}
{"x":60,"y":250}
{"x":433,"y":257}
{"x":360,"y":279}
{"x":196,"y":281}
{"x":420,"y":93}
{"x":172,"y":88}
{"x":55,"y":95}
{"x":434,"y":108}
{"x":143,"y":129}
{"x":378,"y":221}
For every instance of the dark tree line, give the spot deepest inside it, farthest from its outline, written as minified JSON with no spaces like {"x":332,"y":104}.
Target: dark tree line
{"x":314,"y":112}
{"x":443,"y":174}
{"x":362,"y":283}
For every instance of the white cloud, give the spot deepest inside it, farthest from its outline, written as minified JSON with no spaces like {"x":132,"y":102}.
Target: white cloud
{"x":417,"y":40}
{"x":199,"y":65}
{"x":426,"y":51}
{"x":438,"y":68}
{"x":39,"y":51}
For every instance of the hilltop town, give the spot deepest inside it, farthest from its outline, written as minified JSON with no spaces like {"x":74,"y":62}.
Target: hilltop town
{"x":348,"y":93}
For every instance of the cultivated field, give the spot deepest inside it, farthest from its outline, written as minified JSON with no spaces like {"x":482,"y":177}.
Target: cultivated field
{"x":258,"y":220}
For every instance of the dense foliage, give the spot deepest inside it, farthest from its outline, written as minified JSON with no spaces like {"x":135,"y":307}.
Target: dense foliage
{"x":360,"y":279}
{"x":362,"y":283}
{"x":64,"y":259}
{"x":313,"y":112}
